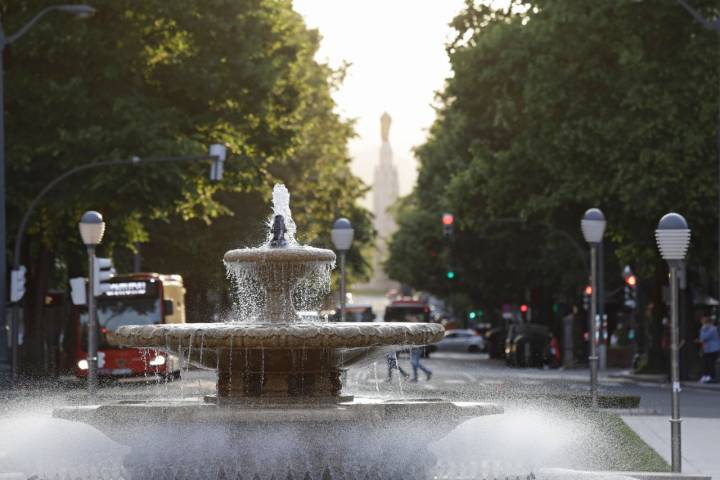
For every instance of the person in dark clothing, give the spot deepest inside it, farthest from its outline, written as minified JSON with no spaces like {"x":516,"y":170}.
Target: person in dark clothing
{"x":392,"y":364}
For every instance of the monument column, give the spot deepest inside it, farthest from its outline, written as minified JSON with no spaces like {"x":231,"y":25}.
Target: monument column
{"x":385,"y":194}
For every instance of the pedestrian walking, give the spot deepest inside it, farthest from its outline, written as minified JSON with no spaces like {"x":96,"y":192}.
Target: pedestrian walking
{"x":392,"y":364}
{"x":710,"y":339}
{"x":415,"y":355}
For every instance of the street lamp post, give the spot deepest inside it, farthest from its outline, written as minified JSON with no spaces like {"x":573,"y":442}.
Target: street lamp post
{"x":593,"y":226}
{"x":342,"y":237}
{"x":79,"y":11}
{"x":92,"y":228}
{"x":673,"y":238}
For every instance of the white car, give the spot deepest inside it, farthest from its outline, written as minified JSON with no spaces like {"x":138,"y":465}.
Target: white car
{"x":460,"y":341}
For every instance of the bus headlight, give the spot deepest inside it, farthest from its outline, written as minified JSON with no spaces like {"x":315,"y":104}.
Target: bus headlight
{"x":83,"y":364}
{"x":158,"y":361}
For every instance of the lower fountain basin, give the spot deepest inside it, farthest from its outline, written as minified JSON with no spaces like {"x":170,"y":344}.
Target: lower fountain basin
{"x":359,"y":434}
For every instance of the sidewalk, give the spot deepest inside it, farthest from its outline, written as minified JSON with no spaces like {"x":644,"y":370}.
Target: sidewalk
{"x":700,"y":440}
{"x":659,"y":378}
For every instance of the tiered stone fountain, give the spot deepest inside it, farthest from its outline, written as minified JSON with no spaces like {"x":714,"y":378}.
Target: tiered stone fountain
{"x":279,"y":378}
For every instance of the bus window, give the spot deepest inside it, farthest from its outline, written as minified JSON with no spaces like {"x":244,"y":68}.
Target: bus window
{"x":113,"y":313}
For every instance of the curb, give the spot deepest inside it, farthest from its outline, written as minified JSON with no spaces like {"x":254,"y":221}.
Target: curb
{"x":662,"y":379}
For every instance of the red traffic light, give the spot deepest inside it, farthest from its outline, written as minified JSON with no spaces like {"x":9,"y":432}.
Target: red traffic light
{"x":588,"y":290}
{"x":631,"y":280}
{"x":523,"y":308}
{"x":448,"y":219}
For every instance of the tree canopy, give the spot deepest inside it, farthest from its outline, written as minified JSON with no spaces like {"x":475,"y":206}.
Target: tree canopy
{"x":158,"y":78}
{"x":556,"y":106}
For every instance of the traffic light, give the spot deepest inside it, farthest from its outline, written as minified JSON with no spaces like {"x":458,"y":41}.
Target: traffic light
{"x":525,"y":313}
{"x":103,"y":271}
{"x":630,"y":287}
{"x":472,"y":315}
{"x":17,"y":283}
{"x":587,"y":295}
{"x":448,"y":221}
{"x":450,"y":274}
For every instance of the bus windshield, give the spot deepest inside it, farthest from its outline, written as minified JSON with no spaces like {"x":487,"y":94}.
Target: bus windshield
{"x":407,"y":313}
{"x":113,"y":313}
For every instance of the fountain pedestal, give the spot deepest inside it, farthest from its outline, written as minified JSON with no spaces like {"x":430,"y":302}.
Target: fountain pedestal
{"x":278,"y":374}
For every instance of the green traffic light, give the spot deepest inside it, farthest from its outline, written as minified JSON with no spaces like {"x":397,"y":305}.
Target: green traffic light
{"x":450,"y":275}
{"x":472,"y":315}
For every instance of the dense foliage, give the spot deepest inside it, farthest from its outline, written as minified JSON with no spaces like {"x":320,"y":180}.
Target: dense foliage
{"x":556,"y":106}
{"x":158,"y":78}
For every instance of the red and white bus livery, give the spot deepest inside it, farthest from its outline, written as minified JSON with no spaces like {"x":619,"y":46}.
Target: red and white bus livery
{"x":131,"y":299}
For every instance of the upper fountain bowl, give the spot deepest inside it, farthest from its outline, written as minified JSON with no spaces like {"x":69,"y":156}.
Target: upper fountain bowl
{"x":287,"y":255}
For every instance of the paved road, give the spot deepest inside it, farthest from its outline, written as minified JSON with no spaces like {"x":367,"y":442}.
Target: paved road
{"x":475,"y":376}
{"x":455,"y":376}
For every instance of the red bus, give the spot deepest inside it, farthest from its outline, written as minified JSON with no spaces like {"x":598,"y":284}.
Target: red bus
{"x":407,"y":310}
{"x":131,"y":299}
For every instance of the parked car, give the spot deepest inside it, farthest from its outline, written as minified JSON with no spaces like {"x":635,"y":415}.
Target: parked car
{"x":527,"y":345}
{"x":495,"y":342}
{"x":460,"y":341}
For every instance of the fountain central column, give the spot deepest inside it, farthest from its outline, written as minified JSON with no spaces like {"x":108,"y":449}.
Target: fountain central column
{"x":277,"y":374}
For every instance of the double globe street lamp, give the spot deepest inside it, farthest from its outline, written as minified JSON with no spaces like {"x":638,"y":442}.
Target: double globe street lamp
{"x":593,"y":227}
{"x":342,"y":236}
{"x":673,"y":238}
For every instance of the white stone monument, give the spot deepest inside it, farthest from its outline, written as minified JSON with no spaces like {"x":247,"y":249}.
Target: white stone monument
{"x":385,"y":194}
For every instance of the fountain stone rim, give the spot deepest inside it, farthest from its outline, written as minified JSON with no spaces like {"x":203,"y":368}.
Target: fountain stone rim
{"x":291,"y":254}
{"x":278,"y":335}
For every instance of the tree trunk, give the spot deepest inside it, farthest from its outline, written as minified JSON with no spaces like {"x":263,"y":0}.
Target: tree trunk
{"x":656,"y":311}
{"x":33,"y":348}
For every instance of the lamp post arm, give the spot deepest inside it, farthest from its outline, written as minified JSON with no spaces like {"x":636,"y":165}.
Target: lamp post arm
{"x":23,"y":30}
{"x":709,"y":24}
{"x":80,"y":168}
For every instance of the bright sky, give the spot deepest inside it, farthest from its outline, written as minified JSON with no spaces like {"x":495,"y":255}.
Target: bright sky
{"x":397,"y":52}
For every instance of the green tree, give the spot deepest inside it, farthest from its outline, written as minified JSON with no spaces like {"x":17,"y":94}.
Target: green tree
{"x":167,"y":78}
{"x":555,"y":106}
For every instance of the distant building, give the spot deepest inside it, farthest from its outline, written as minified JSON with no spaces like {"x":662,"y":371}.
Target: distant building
{"x":385,"y":194}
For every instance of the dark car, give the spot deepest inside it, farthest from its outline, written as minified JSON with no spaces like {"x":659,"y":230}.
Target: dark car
{"x":526,"y":345}
{"x":495,"y":342}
